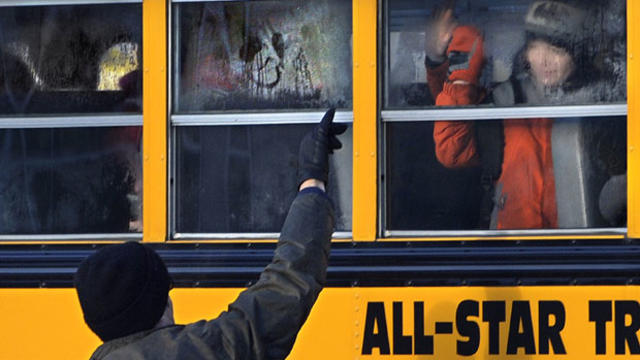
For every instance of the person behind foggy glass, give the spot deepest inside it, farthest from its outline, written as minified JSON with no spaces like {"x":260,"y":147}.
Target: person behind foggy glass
{"x":554,"y":67}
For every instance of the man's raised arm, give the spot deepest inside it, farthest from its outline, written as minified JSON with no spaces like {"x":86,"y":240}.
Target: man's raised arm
{"x":265,"y":319}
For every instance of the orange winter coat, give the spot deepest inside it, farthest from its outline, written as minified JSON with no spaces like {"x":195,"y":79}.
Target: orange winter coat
{"x":525,"y":191}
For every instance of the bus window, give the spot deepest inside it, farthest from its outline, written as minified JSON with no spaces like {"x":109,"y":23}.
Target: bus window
{"x":70,"y":116}
{"x":517,"y":123}
{"x":250,"y":79}
{"x":263,"y":55}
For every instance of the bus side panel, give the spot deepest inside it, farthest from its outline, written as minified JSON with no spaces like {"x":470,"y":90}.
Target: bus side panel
{"x":376,"y":323}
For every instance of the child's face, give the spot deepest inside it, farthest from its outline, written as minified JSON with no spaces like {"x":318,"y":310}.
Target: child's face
{"x":550,"y":65}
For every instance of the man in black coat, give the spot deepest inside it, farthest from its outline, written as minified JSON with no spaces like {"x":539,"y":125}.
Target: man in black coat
{"x":124,"y":289}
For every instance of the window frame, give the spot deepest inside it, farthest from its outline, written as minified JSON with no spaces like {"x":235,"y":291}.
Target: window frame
{"x":61,"y":121}
{"x":414,"y":115}
{"x":235,"y":119}
{"x":226,"y":118}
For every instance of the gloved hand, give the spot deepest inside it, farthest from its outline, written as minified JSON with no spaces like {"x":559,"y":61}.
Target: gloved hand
{"x":313,"y":156}
{"x":466,"y":54}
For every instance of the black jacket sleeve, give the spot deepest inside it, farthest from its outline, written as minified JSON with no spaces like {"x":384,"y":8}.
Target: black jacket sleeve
{"x":265,"y":319}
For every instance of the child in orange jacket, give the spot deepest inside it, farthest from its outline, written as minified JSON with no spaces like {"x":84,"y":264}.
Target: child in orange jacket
{"x":524,"y":195}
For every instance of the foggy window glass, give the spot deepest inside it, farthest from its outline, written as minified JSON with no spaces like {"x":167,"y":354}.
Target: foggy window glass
{"x":70,"y":181}
{"x":563,"y":173}
{"x":535,"y":52}
{"x":248,"y":55}
{"x":243,"y":178}
{"x":70,"y":59}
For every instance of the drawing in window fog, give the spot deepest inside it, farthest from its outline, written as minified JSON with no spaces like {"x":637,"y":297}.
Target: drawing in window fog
{"x":542,"y":173}
{"x":70,"y":60}
{"x":268,"y":54}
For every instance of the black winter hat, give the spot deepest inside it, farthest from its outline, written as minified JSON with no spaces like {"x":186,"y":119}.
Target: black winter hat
{"x":123,"y":289}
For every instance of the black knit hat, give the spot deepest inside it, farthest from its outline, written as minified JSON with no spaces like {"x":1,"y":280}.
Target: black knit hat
{"x":123,"y":289}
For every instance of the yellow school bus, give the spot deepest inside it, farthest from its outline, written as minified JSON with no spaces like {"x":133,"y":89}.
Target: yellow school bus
{"x":176,"y":123}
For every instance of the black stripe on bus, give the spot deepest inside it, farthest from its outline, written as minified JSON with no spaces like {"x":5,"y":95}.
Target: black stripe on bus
{"x":494,"y":263}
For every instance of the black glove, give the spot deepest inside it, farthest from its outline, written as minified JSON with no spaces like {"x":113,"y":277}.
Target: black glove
{"x":313,"y":157}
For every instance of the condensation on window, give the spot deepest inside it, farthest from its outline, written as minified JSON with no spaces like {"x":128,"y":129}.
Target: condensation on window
{"x":564,"y":173}
{"x":70,"y":181}
{"x":241,"y":179}
{"x":262,"y":55}
{"x":70,"y":59}
{"x":596,"y":45}
{"x":551,"y":172}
